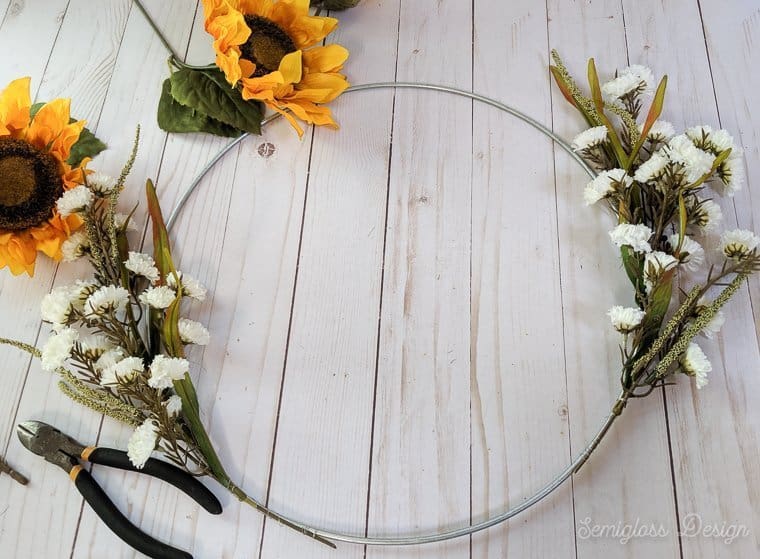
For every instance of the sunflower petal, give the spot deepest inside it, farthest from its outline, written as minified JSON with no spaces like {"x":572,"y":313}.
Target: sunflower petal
{"x":291,"y":67}
{"x":329,"y":58}
{"x":321,"y":88}
{"x":14,"y":107}
{"x":48,"y":124}
{"x":303,"y":29}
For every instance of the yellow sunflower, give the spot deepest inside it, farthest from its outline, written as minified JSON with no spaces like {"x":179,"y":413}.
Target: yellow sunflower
{"x":268,"y":48}
{"x":33,"y":175}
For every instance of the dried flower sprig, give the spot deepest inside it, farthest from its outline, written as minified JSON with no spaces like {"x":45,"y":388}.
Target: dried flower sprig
{"x":658,"y":186}
{"x":118,"y":338}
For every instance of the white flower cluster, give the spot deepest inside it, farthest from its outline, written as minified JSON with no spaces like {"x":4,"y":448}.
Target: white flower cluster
{"x":634,"y":79}
{"x":605,"y":184}
{"x":74,"y":201}
{"x":693,"y":156}
{"x":142,"y":443}
{"x":142,"y":265}
{"x":590,"y":138}
{"x":100,"y":184}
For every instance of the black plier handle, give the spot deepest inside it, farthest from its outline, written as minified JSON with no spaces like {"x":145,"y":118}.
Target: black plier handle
{"x":57,"y":448}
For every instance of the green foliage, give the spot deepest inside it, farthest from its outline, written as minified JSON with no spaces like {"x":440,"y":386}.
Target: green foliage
{"x":208,"y":93}
{"x":88,"y":145}
{"x":334,"y":4}
{"x":175,"y":117}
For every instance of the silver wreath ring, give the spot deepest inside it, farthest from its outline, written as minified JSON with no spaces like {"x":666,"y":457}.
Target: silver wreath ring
{"x":562,"y":476}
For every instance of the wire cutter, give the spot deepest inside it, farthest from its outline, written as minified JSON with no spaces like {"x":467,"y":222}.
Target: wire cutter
{"x":63,"y":451}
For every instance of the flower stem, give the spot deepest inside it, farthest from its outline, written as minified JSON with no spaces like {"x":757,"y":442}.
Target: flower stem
{"x":617,"y":409}
{"x":175,"y":58}
{"x":244,"y":498}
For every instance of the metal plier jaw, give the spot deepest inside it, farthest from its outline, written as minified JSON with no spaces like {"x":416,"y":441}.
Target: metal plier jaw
{"x":47,"y":441}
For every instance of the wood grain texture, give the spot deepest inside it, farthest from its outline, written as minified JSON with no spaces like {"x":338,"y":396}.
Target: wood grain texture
{"x":420,"y":463}
{"x":403,"y":333}
{"x":518,"y":368}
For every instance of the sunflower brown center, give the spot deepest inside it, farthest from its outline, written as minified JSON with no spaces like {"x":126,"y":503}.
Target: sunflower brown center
{"x":30,"y":184}
{"x":267,"y":45}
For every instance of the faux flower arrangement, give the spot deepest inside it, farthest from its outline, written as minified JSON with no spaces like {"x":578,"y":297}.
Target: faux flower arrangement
{"x":659,"y":186}
{"x":268,"y":55}
{"x":118,"y":339}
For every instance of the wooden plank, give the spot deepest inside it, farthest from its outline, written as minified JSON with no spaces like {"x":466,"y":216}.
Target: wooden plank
{"x":715,"y":431}
{"x":628,"y":479}
{"x":27,"y":35}
{"x":322,"y":449}
{"x":421,"y":459}
{"x":50,"y":496}
{"x":519,"y":397}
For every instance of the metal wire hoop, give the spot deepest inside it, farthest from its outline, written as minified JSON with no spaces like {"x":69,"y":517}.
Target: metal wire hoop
{"x":564,"y":474}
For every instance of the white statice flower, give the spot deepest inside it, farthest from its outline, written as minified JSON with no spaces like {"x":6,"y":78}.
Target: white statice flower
{"x":142,"y":265}
{"x":142,"y":443}
{"x":635,"y":236}
{"x":158,"y":297}
{"x":696,"y":162}
{"x":105,"y":299}
{"x":95,"y":346}
{"x":75,"y":246}
{"x":74,"y":201}
{"x":660,"y":131}
{"x":121,"y":371}
{"x":173,"y":405}
{"x":653,"y":168}
{"x":192,"y":332}
{"x":644,"y":75}
{"x":123,"y":220}
{"x":604,"y":184}
{"x":738,"y":243}
{"x":109,"y":358}
{"x":165,"y":370}
{"x":707,"y":215}
{"x":694,"y":363}
{"x":56,"y":307}
{"x":634,"y":78}
{"x":625,"y":319}
{"x":692,"y":255}
{"x":655,"y":265}
{"x":706,"y":138}
{"x":191,"y":287}
{"x":731,"y":174}
{"x":590,"y":138}
{"x":58,"y":348}
{"x":700,"y":135}
{"x":715,"y":324}
{"x":101,"y":184}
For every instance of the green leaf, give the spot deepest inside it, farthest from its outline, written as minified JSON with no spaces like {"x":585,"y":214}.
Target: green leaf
{"x":334,"y":4}
{"x":88,"y":144}
{"x":34,"y":109}
{"x":165,"y":265}
{"x":654,"y":113}
{"x":207,"y":91}
{"x":596,"y":95}
{"x":174,"y":117}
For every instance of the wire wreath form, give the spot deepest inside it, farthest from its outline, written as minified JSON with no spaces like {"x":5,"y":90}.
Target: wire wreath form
{"x":538,"y":495}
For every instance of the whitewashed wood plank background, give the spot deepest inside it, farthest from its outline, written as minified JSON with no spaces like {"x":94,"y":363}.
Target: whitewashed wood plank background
{"x":405,"y":333}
